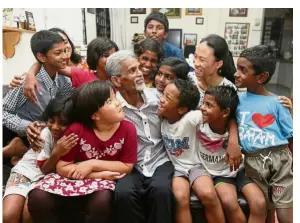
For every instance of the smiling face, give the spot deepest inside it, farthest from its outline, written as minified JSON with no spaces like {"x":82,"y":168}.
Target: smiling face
{"x":111,"y":112}
{"x":211,"y":111}
{"x":68,"y":47}
{"x":56,"y":57}
{"x":164,"y":76}
{"x":205,"y":62}
{"x":148,"y":61}
{"x":156,"y":30}
{"x":245,"y":75}
{"x":168,"y":107}
{"x":57,"y":125}
{"x":131,"y":78}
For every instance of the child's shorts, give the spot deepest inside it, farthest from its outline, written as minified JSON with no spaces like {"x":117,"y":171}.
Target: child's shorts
{"x":190,"y":177}
{"x":271,"y":170}
{"x":18,"y":184}
{"x":239,"y":181}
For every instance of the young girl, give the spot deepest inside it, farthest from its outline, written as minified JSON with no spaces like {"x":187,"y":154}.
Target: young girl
{"x":32,"y":167}
{"x":106,"y":150}
{"x":149,"y":53}
{"x":168,"y":70}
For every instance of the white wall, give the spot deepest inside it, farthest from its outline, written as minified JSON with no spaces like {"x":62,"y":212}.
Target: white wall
{"x":68,"y":19}
{"x":214,"y":23}
{"x":91,"y":31}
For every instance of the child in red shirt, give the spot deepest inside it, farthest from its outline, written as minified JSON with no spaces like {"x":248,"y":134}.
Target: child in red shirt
{"x":106,"y":151}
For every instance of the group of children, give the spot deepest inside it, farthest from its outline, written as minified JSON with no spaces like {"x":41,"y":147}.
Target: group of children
{"x":87,"y":144}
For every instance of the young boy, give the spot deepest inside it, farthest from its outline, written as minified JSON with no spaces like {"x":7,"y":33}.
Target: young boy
{"x":18,"y":112}
{"x":156,"y":26}
{"x":265,"y":130}
{"x":34,"y":165}
{"x":179,"y":132}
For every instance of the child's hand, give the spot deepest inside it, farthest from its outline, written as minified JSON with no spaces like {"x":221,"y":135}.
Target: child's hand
{"x":80,"y":171}
{"x":233,"y":155}
{"x":17,"y":81}
{"x":109,"y":175}
{"x":33,"y":132}
{"x":286,"y":102}
{"x":30,"y":85}
{"x":65,"y":144}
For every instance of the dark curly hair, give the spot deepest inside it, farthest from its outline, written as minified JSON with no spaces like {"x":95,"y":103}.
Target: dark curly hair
{"x":263,"y":59}
{"x":226,"y":97}
{"x":189,"y":94}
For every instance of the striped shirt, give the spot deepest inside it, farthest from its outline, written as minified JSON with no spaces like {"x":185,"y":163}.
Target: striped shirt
{"x":19,"y":112}
{"x":151,"y":151}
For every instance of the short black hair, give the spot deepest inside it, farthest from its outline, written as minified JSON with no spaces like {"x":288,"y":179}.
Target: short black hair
{"x":75,"y":57}
{"x":189,"y":95}
{"x":158,"y":16}
{"x":87,"y":99}
{"x":151,"y":45}
{"x":226,"y":97}
{"x":97,"y":48}
{"x":263,"y":59}
{"x":43,"y":41}
{"x":57,"y":107}
{"x":221,"y":52}
{"x":179,"y":67}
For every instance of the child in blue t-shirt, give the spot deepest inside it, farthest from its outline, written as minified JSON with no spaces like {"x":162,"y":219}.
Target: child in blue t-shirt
{"x":265,"y":130}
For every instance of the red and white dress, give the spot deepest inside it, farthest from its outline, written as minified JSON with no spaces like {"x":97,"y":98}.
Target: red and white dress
{"x":122,"y":146}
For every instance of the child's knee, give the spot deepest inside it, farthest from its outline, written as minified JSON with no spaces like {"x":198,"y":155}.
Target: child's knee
{"x":10,"y":216}
{"x":229,"y":203}
{"x":208,"y":196}
{"x":257,"y":205}
{"x":182,"y":198}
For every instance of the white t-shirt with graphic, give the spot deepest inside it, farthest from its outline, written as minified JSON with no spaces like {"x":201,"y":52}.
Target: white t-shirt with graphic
{"x":181,"y":142}
{"x":212,"y":152}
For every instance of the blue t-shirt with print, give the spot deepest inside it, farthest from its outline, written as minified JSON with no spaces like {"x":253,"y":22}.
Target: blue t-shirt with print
{"x":262,"y":122}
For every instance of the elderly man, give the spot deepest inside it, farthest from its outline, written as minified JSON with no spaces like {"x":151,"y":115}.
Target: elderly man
{"x":145,"y":195}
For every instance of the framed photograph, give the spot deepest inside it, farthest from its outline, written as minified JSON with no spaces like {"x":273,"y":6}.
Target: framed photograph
{"x":137,"y":10}
{"x":199,"y":21}
{"x":190,"y":39}
{"x":235,"y":12}
{"x":236,"y":36}
{"x":134,"y":19}
{"x":170,"y":13}
{"x":193,"y":11}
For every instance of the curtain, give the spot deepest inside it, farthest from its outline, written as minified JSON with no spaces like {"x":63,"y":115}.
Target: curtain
{"x":118,"y":27}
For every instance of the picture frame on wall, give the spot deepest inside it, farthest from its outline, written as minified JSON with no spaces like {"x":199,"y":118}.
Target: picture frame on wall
{"x":193,"y":11}
{"x":134,"y":19}
{"x":137,"y":10}
{"x":238,"y":12}
{"x":236,"y":36}
{"x":190,"y":39}
{"x":199,"y":20}
{"x":170,"y":12}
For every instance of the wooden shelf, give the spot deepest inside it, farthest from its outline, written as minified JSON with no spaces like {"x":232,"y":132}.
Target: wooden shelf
{"x":10,"y":29}
{"x":11,"y":37}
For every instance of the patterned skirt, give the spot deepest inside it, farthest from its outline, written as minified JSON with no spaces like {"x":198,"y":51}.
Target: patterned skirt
{"x":56,"y":184}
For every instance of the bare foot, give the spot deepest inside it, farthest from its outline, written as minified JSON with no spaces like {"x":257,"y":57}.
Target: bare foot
{"x":16,"y":147}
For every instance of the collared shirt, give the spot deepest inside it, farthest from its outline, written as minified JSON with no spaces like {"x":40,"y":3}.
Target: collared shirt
{"x":19,"y":112}
{"x":151,"y":151}
{"x":172,"y":51}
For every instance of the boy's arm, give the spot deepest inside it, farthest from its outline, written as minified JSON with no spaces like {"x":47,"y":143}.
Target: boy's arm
{"x":233,"y":152}
{"x":49,"y":156}
{"x":31,"y":84}
{"x":12,"y":101}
